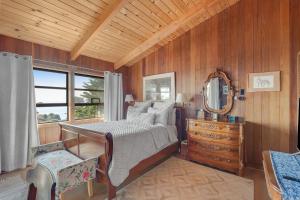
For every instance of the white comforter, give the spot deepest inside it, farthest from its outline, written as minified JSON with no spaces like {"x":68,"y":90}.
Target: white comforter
{"x":132,"y":143}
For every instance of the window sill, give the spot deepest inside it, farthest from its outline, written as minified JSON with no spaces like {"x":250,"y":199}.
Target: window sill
{"x":79,"y":121}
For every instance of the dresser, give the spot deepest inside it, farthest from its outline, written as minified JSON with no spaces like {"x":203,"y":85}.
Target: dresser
{"x":217,"y":144}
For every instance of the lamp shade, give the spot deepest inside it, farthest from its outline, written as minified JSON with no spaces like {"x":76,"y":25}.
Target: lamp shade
{"x":129,"y":98}
{"x":179,"y":98}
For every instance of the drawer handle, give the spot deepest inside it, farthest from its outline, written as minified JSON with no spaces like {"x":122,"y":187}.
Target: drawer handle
{"x":210,"y":147}
{"x":214,"y":136}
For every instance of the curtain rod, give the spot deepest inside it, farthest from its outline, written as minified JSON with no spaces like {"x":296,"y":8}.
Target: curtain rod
{"x":37,"y":61}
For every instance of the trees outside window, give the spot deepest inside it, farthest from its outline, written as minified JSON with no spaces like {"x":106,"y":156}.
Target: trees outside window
{"x":89,"y":96}
{"x":51,"y":90}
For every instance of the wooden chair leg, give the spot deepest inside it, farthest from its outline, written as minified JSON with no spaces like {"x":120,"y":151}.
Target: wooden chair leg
{"x":111,"y":192}
{"x":32,"y":192}
{"x":90,"y":188}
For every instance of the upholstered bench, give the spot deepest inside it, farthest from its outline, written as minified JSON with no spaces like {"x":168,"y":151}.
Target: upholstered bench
{"x":57,"y":170}
{"x":282,"y":172}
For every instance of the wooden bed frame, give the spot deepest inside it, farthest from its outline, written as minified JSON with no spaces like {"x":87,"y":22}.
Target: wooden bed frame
{"x":272,"y":186}
{"x":85,"y":143}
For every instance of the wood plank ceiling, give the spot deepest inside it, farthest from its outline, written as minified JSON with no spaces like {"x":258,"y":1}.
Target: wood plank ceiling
{"x":119,"y":31}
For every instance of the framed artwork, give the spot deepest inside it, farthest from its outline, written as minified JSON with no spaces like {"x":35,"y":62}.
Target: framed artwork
{"x":160,"y":87}
{"x":267,"y":81}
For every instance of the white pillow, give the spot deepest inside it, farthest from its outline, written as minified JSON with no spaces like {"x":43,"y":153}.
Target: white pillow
{"x":133,"y":112}
{"x":172,"y":118}
{"x":161,"y":116}
{"x":144,"y":105}
{"x":147,"y":118}
{"x":171,"y":111}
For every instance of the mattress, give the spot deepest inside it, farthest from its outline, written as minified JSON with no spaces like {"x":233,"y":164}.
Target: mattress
{"x":132,"y":143}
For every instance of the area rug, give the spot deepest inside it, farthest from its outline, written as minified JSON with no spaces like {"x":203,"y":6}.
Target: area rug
{"x":13,"y":187}
{"x":177,"y":179}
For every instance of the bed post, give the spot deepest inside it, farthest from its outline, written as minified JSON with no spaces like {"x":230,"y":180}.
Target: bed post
{"x":109,"y":151}
{"x":60,"y":133}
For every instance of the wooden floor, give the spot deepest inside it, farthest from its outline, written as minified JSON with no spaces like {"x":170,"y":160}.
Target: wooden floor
{"x":260,"y":190}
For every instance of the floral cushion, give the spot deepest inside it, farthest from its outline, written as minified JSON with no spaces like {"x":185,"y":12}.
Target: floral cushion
{"x":47,"y":148}
{"x":57,"y":160}
{"x":66,"y":169}
{"x":75,"y":175}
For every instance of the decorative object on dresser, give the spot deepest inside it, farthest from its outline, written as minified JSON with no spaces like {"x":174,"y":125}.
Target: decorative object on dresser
{"x":217,"y":144}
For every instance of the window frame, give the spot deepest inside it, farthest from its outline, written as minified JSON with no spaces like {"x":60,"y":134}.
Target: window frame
{"x":82,"y":89}
{"x":41,"y":105}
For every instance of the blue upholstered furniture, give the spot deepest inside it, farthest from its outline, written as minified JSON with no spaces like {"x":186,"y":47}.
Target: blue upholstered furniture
{"x":282,"y":172}
{"x":57,"y":170}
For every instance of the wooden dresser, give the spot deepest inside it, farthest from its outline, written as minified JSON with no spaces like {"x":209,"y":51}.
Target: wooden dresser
{"x":218,"y":144}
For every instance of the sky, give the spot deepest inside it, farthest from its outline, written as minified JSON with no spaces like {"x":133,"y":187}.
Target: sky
{"x":45,"y":78}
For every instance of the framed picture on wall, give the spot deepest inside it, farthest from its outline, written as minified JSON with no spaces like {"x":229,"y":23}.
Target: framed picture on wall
{"x":267,"y":81}
{"x":160,"y":87}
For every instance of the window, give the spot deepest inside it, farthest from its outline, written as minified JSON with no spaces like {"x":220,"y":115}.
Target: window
{"x":51,"y":95}
{"x":88,"y":96}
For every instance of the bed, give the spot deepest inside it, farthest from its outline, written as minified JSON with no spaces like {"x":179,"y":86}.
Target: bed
{"x":125,"y":148}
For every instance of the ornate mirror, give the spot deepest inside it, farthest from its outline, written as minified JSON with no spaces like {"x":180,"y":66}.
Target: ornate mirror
{"x":218,"y":93}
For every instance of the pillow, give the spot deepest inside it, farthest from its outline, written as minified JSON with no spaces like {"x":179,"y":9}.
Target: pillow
{"x":172,"y":119}
{"x":144,"y":118}
{"x":143,"y":105}
{"x":161,"y":116}
{"x":172,"y":112}
{"x":133,"y":112}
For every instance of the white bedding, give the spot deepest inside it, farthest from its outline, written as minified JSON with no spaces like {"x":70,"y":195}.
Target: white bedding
{"x":132,"y":143}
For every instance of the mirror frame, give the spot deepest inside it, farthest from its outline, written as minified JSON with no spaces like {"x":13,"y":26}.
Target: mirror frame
{"x":229,"y":105}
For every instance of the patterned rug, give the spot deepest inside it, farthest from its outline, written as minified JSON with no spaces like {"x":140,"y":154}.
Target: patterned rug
{"x":177,"y":179}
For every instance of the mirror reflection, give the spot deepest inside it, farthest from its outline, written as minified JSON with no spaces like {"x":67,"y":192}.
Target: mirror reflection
{"x":216,"y":92}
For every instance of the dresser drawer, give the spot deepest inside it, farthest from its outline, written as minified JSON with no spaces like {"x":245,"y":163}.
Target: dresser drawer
{"x":213,"y":126}
{"x":217,"y":137}
{"x":215,"y":161}
{"x":218,"y":144}
{"x":210,"y":149}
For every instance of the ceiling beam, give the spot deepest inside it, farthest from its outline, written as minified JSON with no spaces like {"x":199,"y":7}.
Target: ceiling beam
{"x":102,"y":22}
{"x":166,"y":31}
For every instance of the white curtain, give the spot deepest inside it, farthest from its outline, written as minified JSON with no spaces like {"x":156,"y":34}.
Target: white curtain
{"x":113,"y":96}
{"x":18,"y":123}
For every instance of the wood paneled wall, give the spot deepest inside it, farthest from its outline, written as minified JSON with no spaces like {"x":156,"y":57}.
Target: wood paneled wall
{"x":295,"y":68}
{"x":250,"y":36}
{"x":50,"y":132}
{"x":45,"y":53}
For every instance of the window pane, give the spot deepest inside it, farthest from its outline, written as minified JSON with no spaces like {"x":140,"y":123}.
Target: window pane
{"x":87,"y":96}
{"x":52,"y":114}
{"x":52,"y":79}
{"x":86,"y":112}
{"x":92,"y":83}
{"x":50,"y":96}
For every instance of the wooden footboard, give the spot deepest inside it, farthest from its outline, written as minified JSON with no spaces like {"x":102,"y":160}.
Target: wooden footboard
{"x":85,"y":144}
{"x":273,"y":188}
